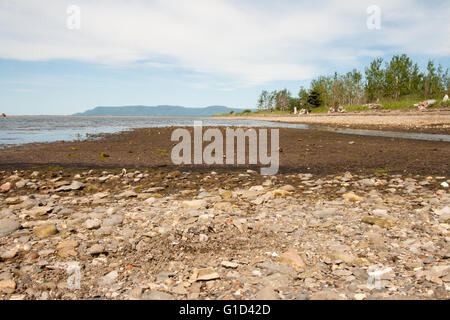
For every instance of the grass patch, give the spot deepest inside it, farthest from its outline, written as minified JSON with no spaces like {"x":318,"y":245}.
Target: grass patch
{"x":322,"y":109}
{"x":382,"y":171}
{"x":252,"y":113}
{"x":54,"y":168}
{"x":103,"y":155}
{"x":388,"y":104}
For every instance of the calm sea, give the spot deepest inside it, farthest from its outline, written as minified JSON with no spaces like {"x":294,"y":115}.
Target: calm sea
{"x":20,"y":130}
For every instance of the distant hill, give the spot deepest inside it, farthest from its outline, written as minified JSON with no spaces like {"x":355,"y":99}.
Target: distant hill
{"x":175,"y":111}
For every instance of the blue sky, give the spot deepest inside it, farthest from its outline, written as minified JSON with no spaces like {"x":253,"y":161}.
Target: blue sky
{"x":197,"y":53}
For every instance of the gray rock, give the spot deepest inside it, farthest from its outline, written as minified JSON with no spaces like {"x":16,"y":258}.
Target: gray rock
{"x":8,"y":226}
{"x":326,"y":212}
{"x":75,"y":185}
{"x":108,"y":279}
{"x":266,"y":293}
{"x":113,"y":220}
{"x":157,"y":295}
{"x":96,"y":249}
{"x":92,"y":224}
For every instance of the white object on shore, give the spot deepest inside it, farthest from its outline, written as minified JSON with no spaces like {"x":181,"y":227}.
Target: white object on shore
{"x":445,"y":98}
{"x":425,"y":104}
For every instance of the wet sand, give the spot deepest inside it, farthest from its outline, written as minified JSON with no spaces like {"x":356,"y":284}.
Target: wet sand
{"x":314,"y":151}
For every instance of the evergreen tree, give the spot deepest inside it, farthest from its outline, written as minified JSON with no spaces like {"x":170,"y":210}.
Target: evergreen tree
{"x":314,"y":99}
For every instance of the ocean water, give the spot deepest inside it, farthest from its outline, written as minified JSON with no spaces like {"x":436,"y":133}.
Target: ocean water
{"x":21,"y":130}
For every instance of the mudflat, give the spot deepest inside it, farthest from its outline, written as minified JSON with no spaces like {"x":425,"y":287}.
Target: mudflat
{"x":314,"y":151}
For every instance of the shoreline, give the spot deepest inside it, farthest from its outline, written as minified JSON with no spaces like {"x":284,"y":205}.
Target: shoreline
{"x":413,"y":121}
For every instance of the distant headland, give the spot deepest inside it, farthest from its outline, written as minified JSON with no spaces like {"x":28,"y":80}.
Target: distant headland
{"x":162,"y":110}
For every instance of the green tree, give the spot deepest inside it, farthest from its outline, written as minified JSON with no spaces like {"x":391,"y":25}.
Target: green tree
{"x":303,"y":98}
{"x":432,"y":81}
{"x":374,"y":80}
{"x":323,"y":85}
{"x":398,"y":75}
{"x":262,"y":100}
{"x":352,"y":87}
{"x":314,"y":99}
{"x":337,"y":91}
{"x":282,"y":100}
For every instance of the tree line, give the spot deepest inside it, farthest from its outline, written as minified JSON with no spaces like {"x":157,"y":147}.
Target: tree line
{"x":392,"y":79}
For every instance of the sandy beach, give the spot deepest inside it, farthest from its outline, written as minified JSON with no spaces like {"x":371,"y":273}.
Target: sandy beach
{"x":430,"y":121}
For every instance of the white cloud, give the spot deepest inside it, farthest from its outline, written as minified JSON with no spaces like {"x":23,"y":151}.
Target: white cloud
{"x":241,"y":40}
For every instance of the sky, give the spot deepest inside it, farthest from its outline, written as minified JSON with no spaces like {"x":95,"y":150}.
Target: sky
{"x":59,"y":57}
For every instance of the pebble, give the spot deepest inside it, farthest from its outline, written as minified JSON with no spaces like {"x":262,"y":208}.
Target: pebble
{"x":228,"y":264}
{"x":157,"y":295}
{"x":108,"y":279}
{"x":205,"y":274}
{"x":5,"y":187}
{"x":8,"y":226}
{"x":45,"y":231}
{"x":290,"y":236}
{"x":266,"y":293}
{"x":384,"y":223}
{"x":92,"y":224}
{"x":8,"y":285}
{"x":352,"y":197}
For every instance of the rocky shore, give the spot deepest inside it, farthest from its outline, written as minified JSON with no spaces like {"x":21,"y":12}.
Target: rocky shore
{"x":160,"y":234}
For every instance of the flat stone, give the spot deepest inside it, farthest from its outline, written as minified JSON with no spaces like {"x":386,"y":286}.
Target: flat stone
{"x":157,"y":295}
{"x":96,"y":249}
{"x":325,"y":212}
{"x":45,"y":231}
{"x":7,"y":285}
{"x":266,"y":293}
{"x":8,"y":226}
{"x":5,"y":187}
{"x":291,"y":257}
{"x":92,"y":224}
{"x":108,"y":279}
{"x":229,"y":264}
{"x":8,"y":254}
{"x":207,"y":274}
{"x":75,"y":185}
{"x":352,"y":197}
{"x":113,"y":220}
{"x":342,"y":256}
{"x":287,"y":187}
{"x":127,"y":194}
{"x":384,"y":223}
{"x":194,"y":204}
{"x":325,"y":295}
{"x":39,"y":211}
{"x":67,"y":252}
